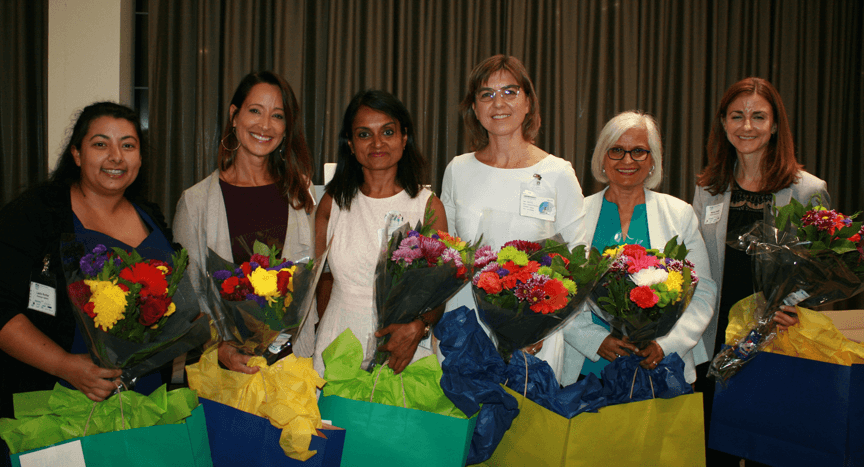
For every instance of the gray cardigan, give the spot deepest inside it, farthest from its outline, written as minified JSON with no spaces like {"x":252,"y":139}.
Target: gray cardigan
{"x":715,"y":233}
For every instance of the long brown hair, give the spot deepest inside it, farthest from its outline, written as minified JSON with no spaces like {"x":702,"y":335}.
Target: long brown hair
{"x":290,"y":165}
{"x":779,"y":165}
{"x":478,"y":137}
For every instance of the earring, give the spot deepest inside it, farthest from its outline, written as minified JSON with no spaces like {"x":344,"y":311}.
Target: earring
{"x":604,"y":170}
{"x":651,"y":172}
{"x":233,"y":132}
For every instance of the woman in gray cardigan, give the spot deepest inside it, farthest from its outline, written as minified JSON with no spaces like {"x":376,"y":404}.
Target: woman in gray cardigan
{"x":261,"y":190}
{"x":751,"y":166}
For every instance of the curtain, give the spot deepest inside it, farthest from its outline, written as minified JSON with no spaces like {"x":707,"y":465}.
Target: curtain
{"x":589,"y":60}
{"x":23,"y":96}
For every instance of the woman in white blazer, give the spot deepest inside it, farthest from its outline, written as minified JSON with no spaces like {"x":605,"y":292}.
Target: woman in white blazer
{"x":261,"y":191}
{"x":629,"y":156}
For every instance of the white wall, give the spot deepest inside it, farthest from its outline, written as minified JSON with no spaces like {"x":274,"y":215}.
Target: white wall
{"x":90,"y":52}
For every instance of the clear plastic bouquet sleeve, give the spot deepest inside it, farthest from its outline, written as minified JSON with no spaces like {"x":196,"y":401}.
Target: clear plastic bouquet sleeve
{"x":647,"y":324}
{"x":186,"y":329}
{"x":402,"y":296}
{"x":518,"y":327}
{"x":785,"y":272}
{"x":249,"y":325}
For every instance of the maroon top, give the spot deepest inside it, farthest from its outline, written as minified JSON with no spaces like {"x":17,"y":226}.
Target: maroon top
{"x":254,"y":213}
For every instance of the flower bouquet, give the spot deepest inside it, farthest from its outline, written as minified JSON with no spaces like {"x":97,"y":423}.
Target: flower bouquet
{"x":645,"y":291}
{"x":418,"y":271}
{"x":527,"y":290}
{"x":810,"y":256}
{"x":136,"y":314}
{"x":263,"y":301}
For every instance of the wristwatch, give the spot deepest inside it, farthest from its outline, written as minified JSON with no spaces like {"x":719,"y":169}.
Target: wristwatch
{"x":426,"y":323}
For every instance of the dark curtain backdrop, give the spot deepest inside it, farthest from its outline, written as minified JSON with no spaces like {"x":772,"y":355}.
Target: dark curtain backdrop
{"x":589,"y":60}
{"x":23,"y":99}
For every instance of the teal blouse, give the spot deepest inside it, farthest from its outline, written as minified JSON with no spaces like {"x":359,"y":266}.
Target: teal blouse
{"x":608,"y":233}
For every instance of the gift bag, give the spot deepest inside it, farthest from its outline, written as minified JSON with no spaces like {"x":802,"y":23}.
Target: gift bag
{"x":377,"y":434}
{"x":240,"y":438}
{"x":790,"y":411}
{"x":667,"y":432}
{"x":183,"y":444}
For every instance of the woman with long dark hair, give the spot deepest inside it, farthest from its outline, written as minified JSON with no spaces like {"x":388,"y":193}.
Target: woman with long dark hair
{"x":261,"y":191}
{"x":379,"y":174}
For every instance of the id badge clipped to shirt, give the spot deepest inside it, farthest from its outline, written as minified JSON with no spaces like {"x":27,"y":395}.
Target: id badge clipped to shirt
{"x":538,"y":199}
{"x":43,"y":290}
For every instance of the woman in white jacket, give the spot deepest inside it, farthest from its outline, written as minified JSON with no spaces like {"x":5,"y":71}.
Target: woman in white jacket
{"x":261,"y":190}
{"x":628,"y":156}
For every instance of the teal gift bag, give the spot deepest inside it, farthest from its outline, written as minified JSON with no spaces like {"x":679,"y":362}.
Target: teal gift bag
{"x":377,"y":434}
{"x":180,"y":445}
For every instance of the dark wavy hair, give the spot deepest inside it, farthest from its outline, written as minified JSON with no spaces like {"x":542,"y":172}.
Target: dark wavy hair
{"x":779,"y":165}
{"x":478,"y":137}
{"x":68,"y":173}
{"x":348,"y":178}
{"x":290,"y":165}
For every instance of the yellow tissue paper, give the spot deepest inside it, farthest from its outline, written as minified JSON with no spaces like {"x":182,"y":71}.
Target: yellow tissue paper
{"x":815,"y":338}
{"x":283,"y":392}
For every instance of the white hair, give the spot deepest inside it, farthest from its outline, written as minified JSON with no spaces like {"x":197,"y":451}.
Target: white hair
{"x":613,"y":130}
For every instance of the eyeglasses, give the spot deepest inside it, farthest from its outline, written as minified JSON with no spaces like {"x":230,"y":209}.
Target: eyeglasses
{"x":507,"y":92}
{"x":637,"y":154}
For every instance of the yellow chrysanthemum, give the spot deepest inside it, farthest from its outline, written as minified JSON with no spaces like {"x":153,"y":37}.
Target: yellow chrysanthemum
{"x":569,"y":285}
{"x":109,"y":303}
{"x":613,"y":252}
{"x":264,"y":282}
{"x":674,"y":282}
{"x":509,"y":253}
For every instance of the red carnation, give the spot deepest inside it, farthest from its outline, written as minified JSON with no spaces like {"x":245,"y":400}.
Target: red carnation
{"x":247,"y":268}
{"x":263,"y":261}
{"x":489,"y":282}
{"x":229,"y":285}
{"x":634,"y":251}
{"x":79,"y":293}
{"x":152,"y":308}
{"x":282,"y":280}
{"x":644,"y":297}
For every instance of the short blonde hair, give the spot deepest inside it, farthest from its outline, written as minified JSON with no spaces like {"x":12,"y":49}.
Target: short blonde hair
{"x":613,"y":130}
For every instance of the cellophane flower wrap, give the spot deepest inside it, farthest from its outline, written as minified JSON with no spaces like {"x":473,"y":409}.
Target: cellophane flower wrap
{"x":257,"y":300}
{"x":645,"y":291}
{"x":418,"y":270}
{"x":134,"y":313}
{"x":808,"y":256}
{"x":527,"y":290}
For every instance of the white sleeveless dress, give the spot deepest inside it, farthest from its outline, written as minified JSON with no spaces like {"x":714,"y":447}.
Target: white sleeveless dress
{"x":352,"y":259}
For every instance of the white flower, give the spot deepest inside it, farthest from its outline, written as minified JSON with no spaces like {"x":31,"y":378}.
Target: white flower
{"x":649,"y":276}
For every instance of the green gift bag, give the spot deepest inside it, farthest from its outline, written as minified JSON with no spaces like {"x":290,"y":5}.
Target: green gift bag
{"x":667,"y":432}
{"x":377,"y":434}
{"x":183,"y":444}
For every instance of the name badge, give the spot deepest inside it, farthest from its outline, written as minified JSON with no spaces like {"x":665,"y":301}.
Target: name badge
{"x":713,"y":213}
{"x":43,"y":296}
{"x":539,"y":207}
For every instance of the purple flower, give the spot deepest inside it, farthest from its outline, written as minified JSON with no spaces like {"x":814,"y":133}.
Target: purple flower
{"x":254,"y":265}
{"x":87,"y":266}
{"x":99,"y":249}
{"x":257,"y":299}
{"x":546,"y":260}
{"x":502,"y":272}
{"x":413,"y":233}
{"x":239,"y":273}
{"x":221,"y":275}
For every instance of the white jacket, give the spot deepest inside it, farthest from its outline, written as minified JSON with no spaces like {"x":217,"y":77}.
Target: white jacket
{"x":667,"y":217}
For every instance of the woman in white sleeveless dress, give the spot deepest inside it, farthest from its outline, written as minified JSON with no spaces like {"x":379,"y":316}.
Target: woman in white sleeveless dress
{"x":378,"y":175}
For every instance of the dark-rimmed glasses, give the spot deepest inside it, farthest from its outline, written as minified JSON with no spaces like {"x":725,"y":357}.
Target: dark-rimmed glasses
{"x":637,"y":154}
{"x":507,"y":92}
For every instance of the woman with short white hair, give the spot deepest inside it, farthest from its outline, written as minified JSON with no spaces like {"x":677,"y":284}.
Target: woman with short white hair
{"x":629,"y":157}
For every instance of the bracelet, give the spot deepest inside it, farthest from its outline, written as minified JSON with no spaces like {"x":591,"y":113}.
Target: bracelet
{"x":427,"y":324}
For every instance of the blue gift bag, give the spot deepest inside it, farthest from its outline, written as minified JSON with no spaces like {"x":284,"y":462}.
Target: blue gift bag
{"x":238,"y":438}
{"x":789,"y":411}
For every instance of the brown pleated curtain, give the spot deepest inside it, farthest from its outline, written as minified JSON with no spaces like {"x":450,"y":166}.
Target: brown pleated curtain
{"x":589,"y":60}
{"x":23,"y":96}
